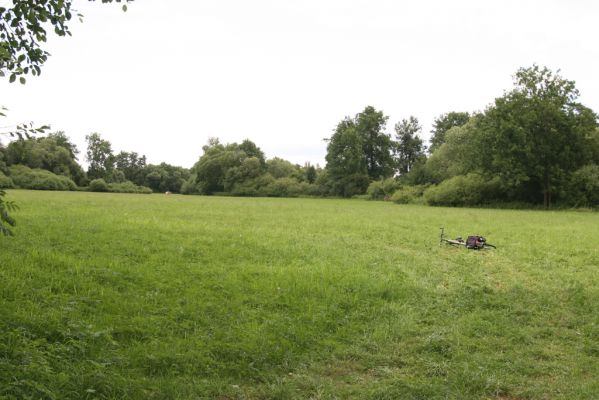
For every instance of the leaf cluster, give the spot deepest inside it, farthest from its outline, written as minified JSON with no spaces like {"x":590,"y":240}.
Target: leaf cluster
{"x":24,"y":130}
{"x":6,"y":221}
{"x":24,"y":28}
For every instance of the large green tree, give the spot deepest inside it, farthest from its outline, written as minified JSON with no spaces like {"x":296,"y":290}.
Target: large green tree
{"x":164,"y":177}
{"x":99,"y":156}
{"x":359,"y":151}
{"x":377,"y":147}
{"x":132,"y":165}
{"x":346,"y":167}
{"x":223,"y":166}
{"x":409,"y":148}
{"x":536,"y":135}
{"x":444,"y":123}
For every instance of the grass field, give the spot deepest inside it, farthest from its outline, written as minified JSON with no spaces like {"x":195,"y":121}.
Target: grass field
{"x":114,"y":296}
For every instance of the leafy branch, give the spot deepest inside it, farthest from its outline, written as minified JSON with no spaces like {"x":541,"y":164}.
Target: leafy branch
{"x":6,"y":221}
{"x":23,"y":27}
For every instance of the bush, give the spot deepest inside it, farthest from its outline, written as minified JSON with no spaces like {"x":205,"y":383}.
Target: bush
{"x":583,"y":189}
{"x":39,"y":179}
{"x":350,"y":185}
{"x":98,"y":185}
{"x":190,"y":186}
{"x":409,"y":195}
{"x":128,"y":187}
{"x":380,"y":190}
{"x":5,"y":181}
{"x":461,"y":190}
{"x":252,"y":187}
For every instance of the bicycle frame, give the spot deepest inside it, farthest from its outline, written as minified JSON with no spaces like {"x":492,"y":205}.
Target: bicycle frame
{"x":461,"y":242}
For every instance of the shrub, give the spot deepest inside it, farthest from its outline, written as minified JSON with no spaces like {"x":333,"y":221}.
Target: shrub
{"x":409,"y":195}
{"x":128,"y":187}
{"x":5,"y":181}
{"x":349,"y":185}
{"x":461,"y":190}
{"x":190,"y":186}
{"x":116,"y":176}
{"x":39,"y":179}
{"x":98,"y":185}
{"x":289,"y":187}
{"x":282,"y":187}
{"x":252,"y":187}
{"x":379,"y":190}
{"x":583,"y":188}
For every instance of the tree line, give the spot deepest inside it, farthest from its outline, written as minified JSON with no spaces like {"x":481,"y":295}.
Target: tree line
{"x":535,"y":144}
{"x":45,"y":162}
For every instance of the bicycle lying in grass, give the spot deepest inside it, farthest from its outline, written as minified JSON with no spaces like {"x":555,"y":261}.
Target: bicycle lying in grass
{"x":473,"y":242}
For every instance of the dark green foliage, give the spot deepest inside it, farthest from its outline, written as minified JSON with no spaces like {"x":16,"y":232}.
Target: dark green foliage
{"x":536,"y":135}
{"x":249,"y":169}
{"x":255,"y":186}
{"x":346,"y":162}
{"x":408,"y":148}
{"x":240,"y":170}
{"x":190,"y":186}
{"x":289,"y":187}
{"x":311,"y":173}
{"x":5,"y":181}
{"x":279,"y":168}
{"x":3,"y":166}
{"x":6,"y":221}
{"x":529,"y":142}
{"x":583,"y":187}
{"x":54,"y":153}
{"x":100,"y":157}
{"x":351,"y":185}
{"x":39,"y":179}
{"x":383,"y":189}
{"x":132,"y":166}
{"x":409,"y":195}
{"x":98,"y":185}
{"x":165,"y":177}
{"x":222,"y":167}
{"x":115,"y":176}
{"x":126,"y":187}
{"x":420,"y":174}
{"x":443,"y":124}
{"x":462,"y":190}
{"x":251,"y":150}
{"x":358,"y":148}
{"x":344,"y":151}
{"x":64,"y":141}
{"x":376,"y":144}
{"x":211,"y":169}
{"x":461,"y":153}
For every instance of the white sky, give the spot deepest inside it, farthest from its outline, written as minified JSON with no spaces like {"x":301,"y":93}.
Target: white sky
{"x":165,"y":76}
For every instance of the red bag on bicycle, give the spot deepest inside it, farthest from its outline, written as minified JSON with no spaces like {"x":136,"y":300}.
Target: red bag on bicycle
{"x":475,"y":242}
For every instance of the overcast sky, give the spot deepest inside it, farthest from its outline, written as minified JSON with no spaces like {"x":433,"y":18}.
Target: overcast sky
{"x":165,"y":76}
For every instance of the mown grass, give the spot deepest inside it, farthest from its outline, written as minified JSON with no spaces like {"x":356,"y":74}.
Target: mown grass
{"x":113,"y":296}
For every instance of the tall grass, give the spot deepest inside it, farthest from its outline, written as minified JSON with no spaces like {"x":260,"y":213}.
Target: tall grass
{"x":125,"y":296}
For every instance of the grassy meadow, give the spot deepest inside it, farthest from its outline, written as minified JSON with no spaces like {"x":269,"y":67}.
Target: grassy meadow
{"x":114,"y":296}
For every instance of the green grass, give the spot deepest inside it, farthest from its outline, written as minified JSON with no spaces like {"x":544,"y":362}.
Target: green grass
{"x":114,"y":296}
